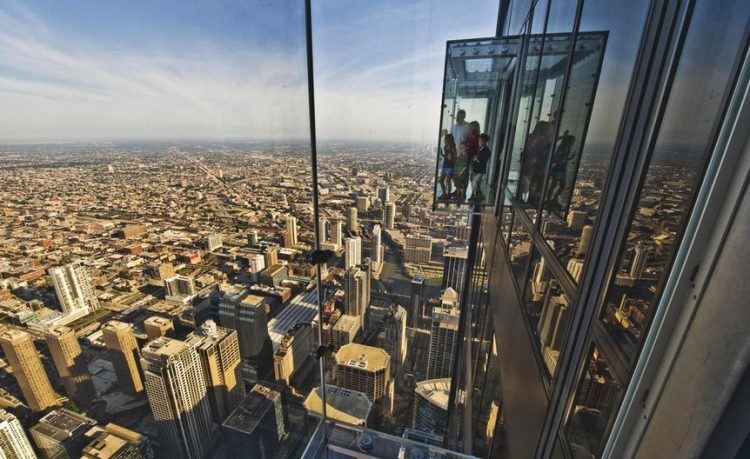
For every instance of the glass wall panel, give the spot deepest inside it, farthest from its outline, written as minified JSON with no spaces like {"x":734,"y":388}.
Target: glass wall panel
{"x":519,"y":250}
{"x":506,"y":222}
{"x":582,"y":184}
{"x":562,"y":15}
{"x":595,"y":403}
{"x":715,"y":42}
{"x":519,"y":13}
{"x":549,"y":311}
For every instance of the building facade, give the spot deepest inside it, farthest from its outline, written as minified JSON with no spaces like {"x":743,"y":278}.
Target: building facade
{"x":27,"y":369}
{"x":70,"y":363}
{"x":125,"y":355}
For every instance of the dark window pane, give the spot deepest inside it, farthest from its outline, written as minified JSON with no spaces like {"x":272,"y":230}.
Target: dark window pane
{"x":704,"y":77}
{"x":582,"y":183}
{"x":597,"y":395}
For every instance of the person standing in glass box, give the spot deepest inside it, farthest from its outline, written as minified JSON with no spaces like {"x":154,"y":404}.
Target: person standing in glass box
{"x":479,"y":167}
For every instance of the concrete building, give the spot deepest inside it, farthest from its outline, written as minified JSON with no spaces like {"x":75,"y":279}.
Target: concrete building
{"x":322,"y":229}
{"x":416,"y":300}
{"x":293,"y":352}
{"x":454,"y":267}
{"x":337,"y":234}
{"x":69,"y":361}
{"x":219,"y":351}
{"x":257,"y":427}
{"x":60,"y":434}
{"x":73,"y":288}
{"x":345,"y":330}
{"x":443,"y":336}
{"x":352,"y":252}
{"x":157,"y":326}
{"x":125,"y":355}
{"x":352,"y":220}
{"x":345,"y":405}
{"x":418,"y":249}
{"x":291,"y":230}
{"x":431,"y":406}
{"x":178,"y":395}
{"x":384,"y":194}
{"x":179,"y":288}
{"x":356,"y":293}
{"x":376,"y":246}
{"x":246,"y":313}
{"x":14,"y":444}
{"x":27,"y":369}
{"x":116,"y":442}
{"x":214,"y":242}
{"x":161,"y":271}
{"x":389,"y":216}
{"x":364,"y":369}
{"x":393,"y":337}
{"x":363,"y":204}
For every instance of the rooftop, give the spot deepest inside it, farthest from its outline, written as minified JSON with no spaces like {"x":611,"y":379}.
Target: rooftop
{"x":436,"y":391}
{"x":361,"y":356}
{"x":342,"y":404}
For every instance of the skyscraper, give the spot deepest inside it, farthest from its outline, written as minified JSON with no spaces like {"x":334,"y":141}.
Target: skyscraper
{"x":638,"y":265}
{"x":364,"y":369}
{"x":179,"y":288}
{"x":418,"y":249}
{"x":73,"y":288}
{"x":257,"y":427}
{"x":70,"y":363}
{"x":352,"y":223}
{"x":454,"y":267}
{"x":376,"y":246}
{"x":352,"y":252}
{"x":214,"y":242}
{"x":291,"y":229}
{"x":394,"y":337}
{"x":322,"y":225}
{"x":384,"y":194}
{"x":178,"y":395}
{"x":246,"y":313}
{"x":28,"y":370}
{"x":123,"y":350}
{"x":337,"y":233}
{"x":60,"y":434}
{"x":431,"y":406}
{"x":389,"y":216}
{"x":586,"y":235}
{"x":417,"y":297}
{"x":14,"y":444}
{"x":355,"y":293}
{"x":293,"y":352}
{"x":219,"y":351}
{"x":443,"y":336}
{"x":363,"y":203}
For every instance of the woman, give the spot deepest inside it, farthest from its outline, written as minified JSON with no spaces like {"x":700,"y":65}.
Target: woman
{"x":472,"y":147}
{"x":449,"y":164}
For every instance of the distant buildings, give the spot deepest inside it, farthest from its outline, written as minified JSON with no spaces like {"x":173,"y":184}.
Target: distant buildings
{"x":443,"y":336}
{"x":257,"y":427}
{"x":14,"y":444}
{"x":431,"y":406}
{"x":179,"y":288}
{"x":69,"y":361}
{"x":363,"y":368}
{"x":178,"y":395}
{"x":418,"y":249}
{"x":73,"y":288}
{"x":125,"y":356}
{"x":61,"y":434}
{"x":219,"y":352}
{"x":27,"y":369}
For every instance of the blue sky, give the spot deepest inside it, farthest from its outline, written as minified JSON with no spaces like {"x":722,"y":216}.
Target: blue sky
{"x":107,"y":69}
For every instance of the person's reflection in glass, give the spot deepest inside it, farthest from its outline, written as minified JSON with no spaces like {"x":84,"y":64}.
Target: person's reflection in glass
{"x":533,"y":163}
{"x":558,"y":175}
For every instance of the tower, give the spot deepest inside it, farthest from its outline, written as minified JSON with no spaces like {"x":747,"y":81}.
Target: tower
{"x":179,"y":288}
{"x":68,"y":358}
{"x":73,"y":288}
{"x":356,"y":294}
{"x":352,"y":251}
{"x":586,"y":235}
{"x":178,"y":396}
{"x":394,"y":338}
{"x":389,"y":215}
{"x":123,"y":350}
{"x":363,"y":203}
{"x":352,"y":223}
{"x":363,"y":368}
{"x":28,"y":370}
{"x":256,"y":428}
{"x":14,"y":444}
{"x":246,"y":314}
{"x":376,"y":246}
{"x":454,"y":267}
{"x":384,"y":194}
{"x":322,"y":224}
{"x":417,"y":295}
{"x":219,"y":351}
{"x":337,"y":233}
{"x":639,"y":262}
{"x":291,"y":229}
{"x":443,"y":336}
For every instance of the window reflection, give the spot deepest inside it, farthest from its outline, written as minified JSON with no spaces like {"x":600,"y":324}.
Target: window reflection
{"x":520,"y":246}
{"x":673,"y":174}
{"x":598,"y":393}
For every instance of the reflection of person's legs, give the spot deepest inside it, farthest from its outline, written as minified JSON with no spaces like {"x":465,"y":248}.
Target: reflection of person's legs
{"x":441,"y":181}
{"x":476,"y":184}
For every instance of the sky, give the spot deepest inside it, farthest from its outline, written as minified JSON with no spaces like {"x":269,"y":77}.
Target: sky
{"x":226,"y":70}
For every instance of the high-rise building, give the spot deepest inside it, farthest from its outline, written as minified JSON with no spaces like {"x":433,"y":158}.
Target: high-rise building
{"x":431,"y":406}
{"x":125,"y":355}
{"x":352,"y":252}
{"x":356,"y":294}
{"x":345,"y":405}
{"x":364,"y":369}
{"x":271,"y":255}
{"x":394,"y":337}
{"x":443,"y":336}
{"x":14,"y":444}
{"x":61,"y":434}
{"x":69,"y":361}
{"x":586,"y":235}
{"x":322,"y":229}
{"x":576,"y":219}
{"x":417,"y":297}
{"x":345,"y":330}
{"x":219,"y":351}
{"x":384,"y":194}
{"x":389,"y":216}
{"x":454,"y":267}
{"x":73,"y":288}
{"x":178,"y":395}
{"x":352,"y":222}
{"x":638,"y":265}
{"x":256,"y":263}
{"x":157,"y":326}
{"x":27,"y":369}
{"x":214,"y":242}
{"x":257,"y":427}
{"x":363,"y":204}
{"x":575,"y":268}
{"x":376,"y":246}
{"x":116,"y":442}
{"x":337,"y":233}
{"x":252,"y":238}
{"x":291,"y":229}
{"x":553,"y":322}
{"x":161,"y":271}
{"x":293,"y":352}
{"x":246,"y":313}
{"x":418,"y":249}
{"x":179,"y":288}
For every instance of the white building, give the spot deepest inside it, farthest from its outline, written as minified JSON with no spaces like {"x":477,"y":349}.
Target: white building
{"x":73,"y":288}
{"x":14,"y":444}
{"x":352,"y":252}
